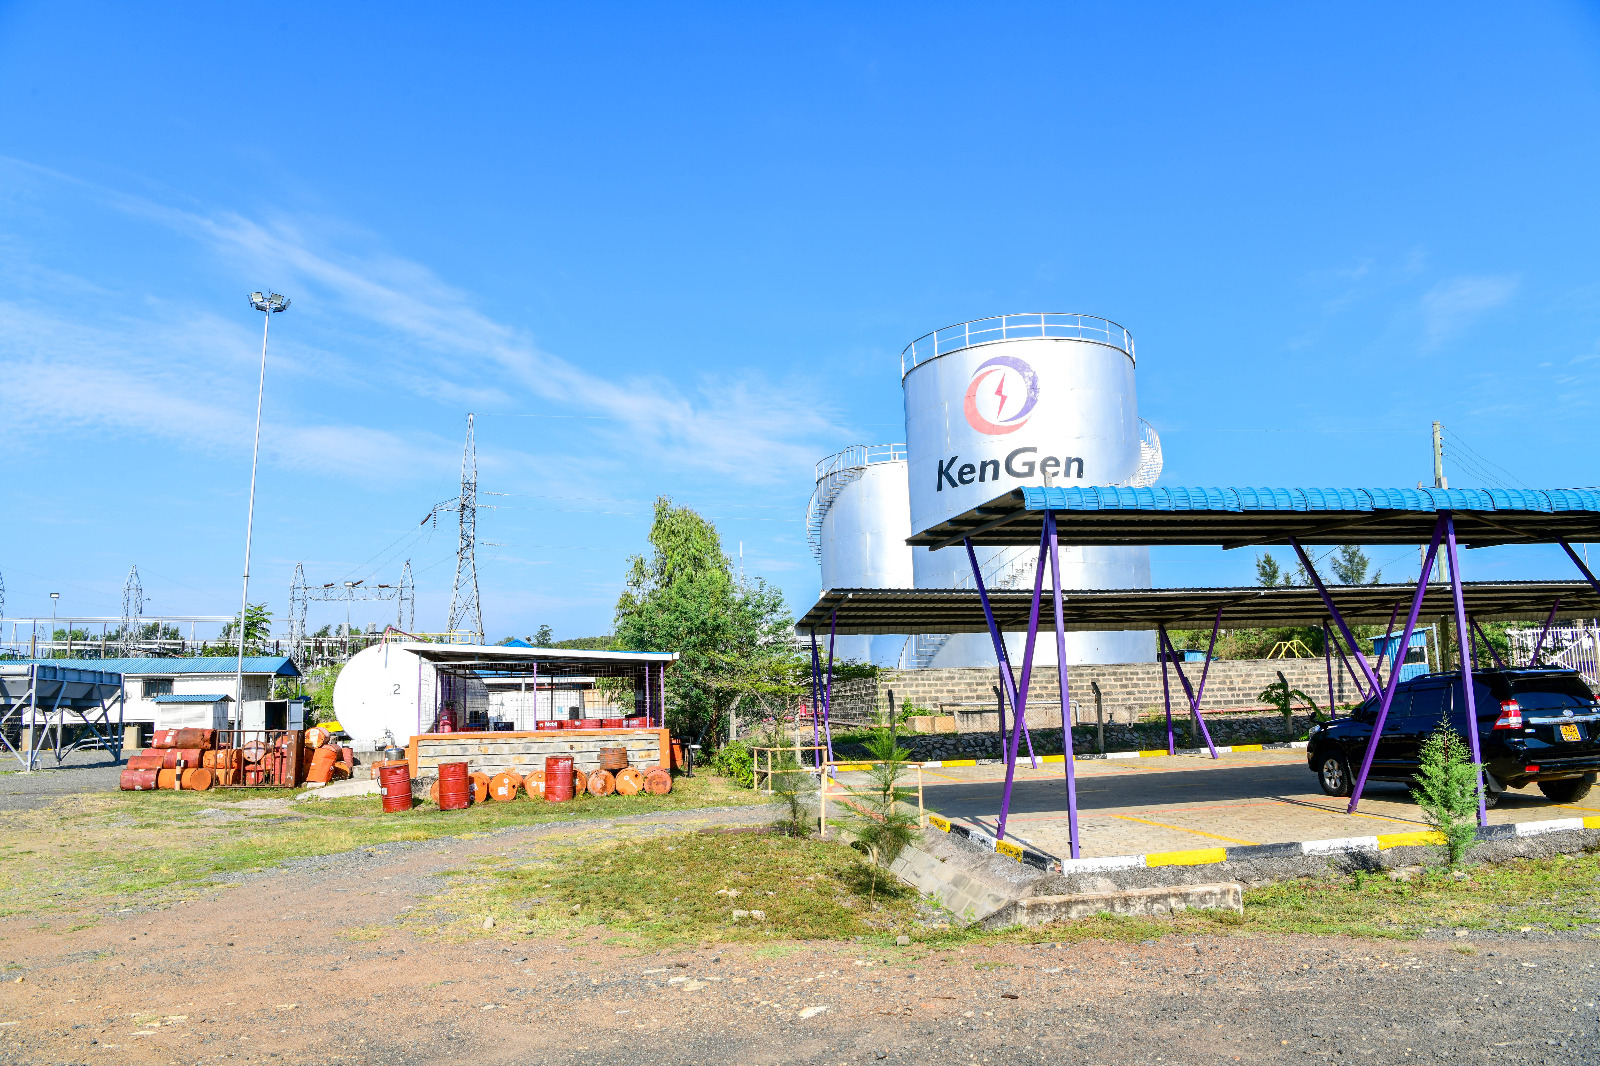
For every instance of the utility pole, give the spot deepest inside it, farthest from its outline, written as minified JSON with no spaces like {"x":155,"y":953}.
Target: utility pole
{"x":1441,"y":565}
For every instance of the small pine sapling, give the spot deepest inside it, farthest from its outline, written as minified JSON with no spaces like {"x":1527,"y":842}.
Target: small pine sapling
{"x":792,"y":784}
{"x":883,"y":826}
{"x":1447,"y":791}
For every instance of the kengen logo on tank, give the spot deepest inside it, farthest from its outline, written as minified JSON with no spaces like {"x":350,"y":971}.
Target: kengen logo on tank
{"x":1002,"y":395}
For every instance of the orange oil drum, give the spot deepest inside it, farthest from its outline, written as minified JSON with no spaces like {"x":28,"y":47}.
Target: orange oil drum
{"x":480,"y":786}
{"x":138,"y":780}
{"x":629,"y":782}
{"x":316,"y":736}
{"x":198,"y":780}
{"x":322,"y":765}
{"x":505,"y":785}
{"x":147,"y":760}
{"x":167,"y":779}
{"x":533,"y":784}
{"x":227,"y":776}
{"x":658,"y":782}
{"x":602,"y":783}
{"x":580,"y":780}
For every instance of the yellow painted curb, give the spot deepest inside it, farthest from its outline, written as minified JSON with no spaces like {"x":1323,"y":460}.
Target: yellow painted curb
{"x":850,"y":767}
{"x":961,"y":762}
{"x":1052,"y":758}
{"x":1152,"y":751}
{"x":1591,"y":821}
{"x":1247,"y":747}
{"x":1195,"y":857}
{"x":1407,"y":840}
{"x":1008,"y":849}
{"x":941,"y":824}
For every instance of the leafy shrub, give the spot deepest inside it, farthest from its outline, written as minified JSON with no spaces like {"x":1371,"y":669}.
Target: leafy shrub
{"x":734,"y":759}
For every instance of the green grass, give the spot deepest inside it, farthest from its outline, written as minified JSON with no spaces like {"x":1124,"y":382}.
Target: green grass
{"x":144,"y":848}
{"x":686,"y":888}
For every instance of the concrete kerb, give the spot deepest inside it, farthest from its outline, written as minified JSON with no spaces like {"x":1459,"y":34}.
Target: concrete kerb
{"x":984,"y":882}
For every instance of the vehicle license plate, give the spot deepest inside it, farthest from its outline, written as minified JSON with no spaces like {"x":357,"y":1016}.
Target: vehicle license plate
{"x":1569,"y":732}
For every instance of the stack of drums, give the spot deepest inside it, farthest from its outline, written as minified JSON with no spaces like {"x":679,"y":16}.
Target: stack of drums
{"x":394,"y":785}
{"x":455,"y":786}
{"x":614,"y":759}
{"x":558,"y":778}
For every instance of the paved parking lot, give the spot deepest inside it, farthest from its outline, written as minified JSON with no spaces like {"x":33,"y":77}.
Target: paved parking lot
{"x":1173,"y":803}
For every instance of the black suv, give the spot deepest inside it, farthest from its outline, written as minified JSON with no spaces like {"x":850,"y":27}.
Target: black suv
{"x":1540,"y":725}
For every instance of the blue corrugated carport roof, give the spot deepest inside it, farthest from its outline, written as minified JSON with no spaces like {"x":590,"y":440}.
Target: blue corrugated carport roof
{"x":1232,"y":517}
{"x":186,"y":697}
{"x":277,"y":665}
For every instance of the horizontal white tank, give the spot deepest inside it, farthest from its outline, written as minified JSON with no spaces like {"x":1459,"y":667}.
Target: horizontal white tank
{"x":998,"y":403}
{"x":378,"y":690}
{"x":857,"y":523}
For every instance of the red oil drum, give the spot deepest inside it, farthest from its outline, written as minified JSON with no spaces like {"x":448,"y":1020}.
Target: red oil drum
{"x":658,"y":782}
{"x":612,"y":723}
{"x":591,"y":723}
{"x":636,"y":723}
{"x":558,"y":778}
{"x":455,"y":786}
{"x":188,"y":756}
{"x":547,"y":725}
{"x":154,"y":760}
{"x":138,"y":780}
{"x":347,"y":755}
{"x":394,"y":785}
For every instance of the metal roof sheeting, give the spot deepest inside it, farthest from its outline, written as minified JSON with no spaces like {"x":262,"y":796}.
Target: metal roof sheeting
{"x":277,"y":665}
{"x":1236,"y":517}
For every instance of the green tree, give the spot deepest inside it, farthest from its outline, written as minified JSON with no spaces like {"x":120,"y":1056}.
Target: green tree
{"x":1350,"y":566}
{"x":544,"y":638}
{"x":1447,"y":791}
{"x":883,"y":824}
{"x":320,"y":698}
{"x":1281,"y":697}
{"x":1268,"y":572}
{"x":734,"y":639}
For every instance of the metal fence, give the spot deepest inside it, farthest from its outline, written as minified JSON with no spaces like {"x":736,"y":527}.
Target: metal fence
{"x":1014,"y":327}
{"x":1575,"y":645}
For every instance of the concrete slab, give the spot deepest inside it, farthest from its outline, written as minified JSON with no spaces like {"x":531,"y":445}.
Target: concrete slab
{"x":1174,"y":803}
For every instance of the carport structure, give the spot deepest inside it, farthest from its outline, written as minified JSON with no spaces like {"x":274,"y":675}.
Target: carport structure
{"x":1247,"y":517}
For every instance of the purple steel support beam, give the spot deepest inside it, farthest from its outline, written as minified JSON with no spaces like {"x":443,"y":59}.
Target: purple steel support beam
{"x":1388,"y":634}
{"x":1466,"y":663}
{"x":1360,"y":688}
{"x":827,"y":691}
{"x":1019,"y":710}
{"x":1061,"y":677}
{"x":1581,"y":565}
{"x":1478,"y":631}
{"x":1327,"y":601}
{"x":1007,"y":678}
{"x":816,"y":699}
{"x":1327,"y":660}
{"x":1195,"y":696}
{"x":1166,"y":688}
{"x":1538,"y":644}
{"x":1394,"y":674}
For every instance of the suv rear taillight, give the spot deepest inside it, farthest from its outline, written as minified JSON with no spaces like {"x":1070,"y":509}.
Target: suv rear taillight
{"x":1510,"y":715}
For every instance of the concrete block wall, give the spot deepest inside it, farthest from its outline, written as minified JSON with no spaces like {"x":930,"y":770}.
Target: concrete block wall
{"x":1129,"y":690}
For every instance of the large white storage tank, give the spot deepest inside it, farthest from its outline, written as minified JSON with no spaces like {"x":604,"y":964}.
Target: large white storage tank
{"x":997,"y":403}
{"x":857,"y":523}
{"x":380,"y":691}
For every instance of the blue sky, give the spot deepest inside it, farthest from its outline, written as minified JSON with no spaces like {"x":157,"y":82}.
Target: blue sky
{"x":677,"y":250}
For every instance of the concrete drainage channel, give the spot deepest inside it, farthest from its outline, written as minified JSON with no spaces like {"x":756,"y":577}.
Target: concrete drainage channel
{"x":996,"y":884}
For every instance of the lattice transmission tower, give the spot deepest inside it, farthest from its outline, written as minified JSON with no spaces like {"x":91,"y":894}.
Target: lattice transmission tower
{"x":465,"y":615}
{"x":301,"y":595}
{"x":132,"y":612}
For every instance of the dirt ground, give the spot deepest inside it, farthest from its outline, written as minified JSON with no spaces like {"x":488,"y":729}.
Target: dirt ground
{"x":324,"y":961}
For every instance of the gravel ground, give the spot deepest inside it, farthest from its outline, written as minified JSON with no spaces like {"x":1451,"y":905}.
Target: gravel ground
{"x":314,"y":963}
{"x":81,"y":771}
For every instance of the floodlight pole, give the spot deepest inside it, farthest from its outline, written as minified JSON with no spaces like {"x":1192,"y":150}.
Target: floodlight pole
{"x":268,"y":304}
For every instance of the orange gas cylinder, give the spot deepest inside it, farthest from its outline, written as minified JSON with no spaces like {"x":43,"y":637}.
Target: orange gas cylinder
{"x":505,"y":785}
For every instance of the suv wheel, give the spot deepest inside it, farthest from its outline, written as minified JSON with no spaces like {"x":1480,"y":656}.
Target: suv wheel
{"x":1566,"y":790}
{"x":1334,"y":774}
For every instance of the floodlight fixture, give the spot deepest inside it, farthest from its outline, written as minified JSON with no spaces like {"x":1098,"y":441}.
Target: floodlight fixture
{"x":269,"y":302}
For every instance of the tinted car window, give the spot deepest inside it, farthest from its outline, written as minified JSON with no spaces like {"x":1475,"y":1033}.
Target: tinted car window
{"x":1552,"y":693}
{"x":1400,"y":708}
{"x":1427,"y":707}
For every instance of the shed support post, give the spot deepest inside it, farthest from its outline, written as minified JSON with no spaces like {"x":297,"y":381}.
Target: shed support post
{"x":1069,"y":759}
{"x":1007,"y":679}
{"x":1327,"y":660}
{"x":1166,"y":687}
{"x":1405,"y":641}
{"x":1019,"y":710}
{"x":1195,"y":696}
{"x":1466,"y":663}
{"x":1388,"y":635}
{"x":1538,"y":644}
{"x":816,"y":703}
{"x":827,"y":691}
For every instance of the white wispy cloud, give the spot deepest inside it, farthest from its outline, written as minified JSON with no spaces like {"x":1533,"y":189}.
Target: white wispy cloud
{"x":174,"y":371}
{"x":1455,"y":304}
